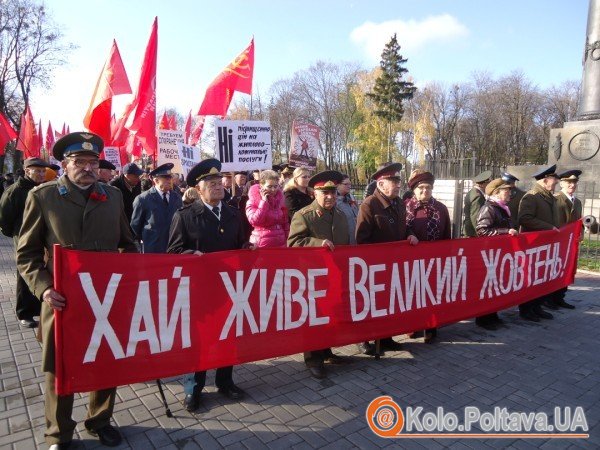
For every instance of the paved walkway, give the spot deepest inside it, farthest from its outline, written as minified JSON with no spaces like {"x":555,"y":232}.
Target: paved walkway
{"x":525,"y":367}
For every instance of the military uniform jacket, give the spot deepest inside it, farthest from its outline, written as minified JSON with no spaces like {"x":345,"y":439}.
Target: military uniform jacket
{"x":12,"y":205}
{"x":537,"y":210}
{"x":568,"y":211}
{"x":128,"y":195}
{"x":380,"y":220}
{"x":313,"y":224}
{"x":151,"y":219}
{"x":194,"y":227}
{"x":58,"y":213}
{"x":513,"y":206}
{"x":474,"y":200}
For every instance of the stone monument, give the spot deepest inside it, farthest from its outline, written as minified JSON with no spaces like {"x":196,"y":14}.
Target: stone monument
{"x":577,"y":144}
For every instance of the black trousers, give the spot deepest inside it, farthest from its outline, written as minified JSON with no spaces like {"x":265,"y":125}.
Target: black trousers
{"x":317,"y":358}
{"x":28,"y":305}
{"x":223,"y":379}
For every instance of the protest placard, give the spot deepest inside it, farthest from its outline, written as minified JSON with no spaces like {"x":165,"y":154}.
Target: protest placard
{"x":243,"y":145}
{"x":304,"y":145}
{"x":112,"y":155}
{"x":189,"y":156}
{"x":167,"y":148}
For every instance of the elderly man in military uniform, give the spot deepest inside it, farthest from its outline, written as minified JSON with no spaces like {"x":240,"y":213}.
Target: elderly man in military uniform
{"x":207,"y":226}
{"x":473,"y":202}
{"x":105,"y":171}
{"x":12,"y":205}
{"x":537,"y":212}
{"x":76,"y":212}
{"x":320,"y":224}
{"x":570,"y":210}
{"x":382,"y":218}
{"x":516,"y":195}
{"x":154,"y":209}
{"x":129,"y":185}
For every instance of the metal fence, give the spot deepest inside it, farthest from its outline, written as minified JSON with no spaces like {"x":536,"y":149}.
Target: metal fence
{"x":587,"y":192}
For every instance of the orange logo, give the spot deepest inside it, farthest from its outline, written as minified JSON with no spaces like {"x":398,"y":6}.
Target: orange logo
{"x":384,"y":416}
{"x":240,"y":65}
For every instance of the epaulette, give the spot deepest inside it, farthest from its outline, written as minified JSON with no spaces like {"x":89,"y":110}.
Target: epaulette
{"x":306,"y":210}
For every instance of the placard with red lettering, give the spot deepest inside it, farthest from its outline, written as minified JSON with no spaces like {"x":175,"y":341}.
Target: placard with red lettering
{"x":132,"y":318}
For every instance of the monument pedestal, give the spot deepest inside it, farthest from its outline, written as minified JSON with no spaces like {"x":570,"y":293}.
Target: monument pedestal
{"x":576,"y":146}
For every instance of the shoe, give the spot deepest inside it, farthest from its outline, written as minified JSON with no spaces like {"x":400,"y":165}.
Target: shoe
{"x":562,"y":304}
{"x":366,"y":348}
{"x":232,"y":392}
{"x":529,"y":315}
{"x":317,"y":372}
{"x":430,"y":335}
{"x":538,"y":311}
{"x":108,"y":435}
{"x":490,"y":326}
{"x":61,"y":446}
{"x":191,"y":402}
{"x":28,"y":323}
{"x":551,"y":305}
{"x":338,"y":360}
{"x":390,"y":344}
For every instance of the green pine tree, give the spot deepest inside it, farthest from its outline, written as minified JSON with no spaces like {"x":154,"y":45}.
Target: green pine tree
{"x":390,"y":90}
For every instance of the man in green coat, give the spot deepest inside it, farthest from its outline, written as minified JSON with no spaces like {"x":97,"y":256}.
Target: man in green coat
{"x":516,"y":195}
{"x":12,"y":205}
{"x":320,"y":224}
{"x":570,"y":210}
{"x":473,"y":202}
{"x":538,"y":212}
{"x":76,"y":212}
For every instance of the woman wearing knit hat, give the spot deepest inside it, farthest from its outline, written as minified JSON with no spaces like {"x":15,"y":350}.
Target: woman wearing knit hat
{"x":494,"y":219}
{"x":427,"y":218}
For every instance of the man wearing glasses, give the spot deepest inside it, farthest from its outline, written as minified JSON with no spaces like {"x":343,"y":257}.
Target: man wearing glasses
{"x":77,"y":212}
{"x":12,"y":205}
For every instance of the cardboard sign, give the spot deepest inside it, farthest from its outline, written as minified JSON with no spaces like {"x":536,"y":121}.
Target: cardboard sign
{"x":167,"y":148}
{"x":243,"y":145}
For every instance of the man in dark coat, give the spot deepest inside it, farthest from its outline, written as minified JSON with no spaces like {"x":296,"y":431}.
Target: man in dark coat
{"x":473,"y":202}
{"x":570,"y":210}
{"x":153,"y":210}
{"x":320,"y":224}
{"x":105,"y":171}
{"x":78,"y":212}
{"x":516,"y":195}
{"x":129,"y":185}
{"x":537,"y":212}
{"x":12,"y":205}
{"x":382,"y":218}
{"x":207,"y":226}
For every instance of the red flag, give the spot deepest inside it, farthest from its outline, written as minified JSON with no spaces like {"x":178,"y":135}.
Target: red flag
{"x":164,"y":122}
{"x":144,"y":103}
{"x":7,"y":133}
{"x":133,"y":146}
{"x":172,"y":122}
{"x":197,"y":131}
{"x":40,"y":136}
{"x":188,"y":127}
{"x":49,"y":137}
{"x":112,"y":81}
{"x":237,"y":76}
{"x":68,"y":129}
{"x":62,"y":133}
{"x":28,"y":140}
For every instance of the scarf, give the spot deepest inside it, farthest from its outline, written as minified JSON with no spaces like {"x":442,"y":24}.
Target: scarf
{"x":432,"y":213}
{"x":500,"y":203}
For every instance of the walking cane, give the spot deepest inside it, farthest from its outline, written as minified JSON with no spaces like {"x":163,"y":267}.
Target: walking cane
{"x":164,"y":399}
{"x":158,"y":382}
{"x":377,"y":348}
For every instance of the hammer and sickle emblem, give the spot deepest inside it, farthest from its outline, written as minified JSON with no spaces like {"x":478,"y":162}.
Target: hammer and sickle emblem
{"x":238,"y":64}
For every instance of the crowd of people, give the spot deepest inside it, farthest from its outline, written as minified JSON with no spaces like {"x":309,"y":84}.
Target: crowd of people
{"x":89,"y":208}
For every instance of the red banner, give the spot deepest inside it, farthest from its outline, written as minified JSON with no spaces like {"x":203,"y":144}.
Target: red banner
{"x":131,"y":318}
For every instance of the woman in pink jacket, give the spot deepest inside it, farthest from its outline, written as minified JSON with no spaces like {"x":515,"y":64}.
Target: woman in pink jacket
{"x":266,"y":212}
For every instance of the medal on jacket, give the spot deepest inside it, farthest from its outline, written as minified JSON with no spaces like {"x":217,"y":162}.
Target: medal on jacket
{"x":221,"y":230}
{"x":391,"y":219}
